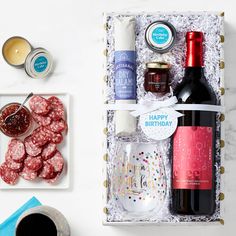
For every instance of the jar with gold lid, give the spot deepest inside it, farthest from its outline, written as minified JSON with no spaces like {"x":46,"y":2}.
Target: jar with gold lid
{"x":156,"y":77}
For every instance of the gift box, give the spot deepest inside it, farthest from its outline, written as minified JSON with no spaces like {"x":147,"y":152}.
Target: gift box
{"x":150,"y":202}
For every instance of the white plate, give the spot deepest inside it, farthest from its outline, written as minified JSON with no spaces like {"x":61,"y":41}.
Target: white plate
{"x":64,"y":147}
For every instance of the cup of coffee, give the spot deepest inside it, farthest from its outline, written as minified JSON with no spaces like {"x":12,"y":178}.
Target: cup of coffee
{"x":42,"y":220}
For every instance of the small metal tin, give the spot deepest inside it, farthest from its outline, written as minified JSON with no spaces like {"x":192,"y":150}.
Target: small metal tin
{"x":38,"y":63}
{"x":160,"y":36}
{"x":10,"y":43}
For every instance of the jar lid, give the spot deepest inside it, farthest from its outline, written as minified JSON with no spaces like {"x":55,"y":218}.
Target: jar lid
{"x":160,"y":36}
{"x":158,"y":65}
{"x":38,"y":63}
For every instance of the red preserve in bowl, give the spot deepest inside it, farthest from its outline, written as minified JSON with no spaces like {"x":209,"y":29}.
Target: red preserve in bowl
{"x":19,"y":124}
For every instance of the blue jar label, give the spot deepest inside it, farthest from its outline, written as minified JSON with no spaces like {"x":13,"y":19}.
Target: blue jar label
{"x":125,"y":75}
{"x":40,"y":64}
{"x":160,"y":35}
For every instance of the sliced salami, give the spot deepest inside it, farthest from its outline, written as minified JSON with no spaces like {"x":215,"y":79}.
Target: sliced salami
{"x":8,"y":176}
{"x":57,"y":138}
{"x":40,"y":137}
{"x":47,"y":171}
{"x":52,"y":136}
{"x":41,"y":120}
{"x":37,"y":155}
{"x":57,"y":162}
{"x":34,"y":163}
{"x":28,"y":174}
{"x":8,"y":155}
{"x":57,"y":126}
{"x":30,"y":148}
{"x":15,"y":166}
{"x":54,"y":178}
{"x":49,"y":150}
{"x":39,"y":105}
{"x":57,"y":109}
{"x":11,"y":164}
{"x":17,"y":150}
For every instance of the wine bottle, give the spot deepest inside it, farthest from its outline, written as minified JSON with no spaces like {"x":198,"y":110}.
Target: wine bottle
{"x":193,"y":173}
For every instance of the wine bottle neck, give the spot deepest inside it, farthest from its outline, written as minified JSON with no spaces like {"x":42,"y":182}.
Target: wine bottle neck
{"x":194,"y":73}
{"x":194,"y":55}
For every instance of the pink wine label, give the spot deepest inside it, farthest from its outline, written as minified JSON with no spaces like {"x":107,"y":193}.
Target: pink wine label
{"x":192,"y":158}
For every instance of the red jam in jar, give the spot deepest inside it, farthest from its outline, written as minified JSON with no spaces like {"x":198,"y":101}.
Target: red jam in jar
{"x":157,"y":77}
{"x":16,"y":125}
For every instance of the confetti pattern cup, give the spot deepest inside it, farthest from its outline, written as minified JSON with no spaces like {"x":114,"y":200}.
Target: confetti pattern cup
{"x":139,"y":179}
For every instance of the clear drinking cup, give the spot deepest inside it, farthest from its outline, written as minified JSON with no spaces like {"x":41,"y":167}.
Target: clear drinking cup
{"x":139,"y":179}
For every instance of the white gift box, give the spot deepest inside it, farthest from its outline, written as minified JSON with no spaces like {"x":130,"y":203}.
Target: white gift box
{"x":212,"y":25}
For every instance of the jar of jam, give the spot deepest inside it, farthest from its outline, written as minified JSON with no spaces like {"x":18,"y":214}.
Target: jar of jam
{"x":18,"y":124}
{"x":157,"y":77}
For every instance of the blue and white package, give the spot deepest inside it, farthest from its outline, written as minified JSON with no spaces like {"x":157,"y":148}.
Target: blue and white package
{"x":125,"y":72}
{"x":125,"y":75}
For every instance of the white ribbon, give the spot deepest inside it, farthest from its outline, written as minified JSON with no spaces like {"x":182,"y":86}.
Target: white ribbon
{"x":169,"y":106}
{"x":149,"y":106}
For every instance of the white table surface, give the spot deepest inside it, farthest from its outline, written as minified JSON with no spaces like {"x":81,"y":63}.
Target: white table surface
{"x":72,"y":31}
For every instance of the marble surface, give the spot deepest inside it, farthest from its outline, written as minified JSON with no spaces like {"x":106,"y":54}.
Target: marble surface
{"x":72,"y":31}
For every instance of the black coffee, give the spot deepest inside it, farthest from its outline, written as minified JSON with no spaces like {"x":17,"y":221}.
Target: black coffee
{"x":36,"y":225}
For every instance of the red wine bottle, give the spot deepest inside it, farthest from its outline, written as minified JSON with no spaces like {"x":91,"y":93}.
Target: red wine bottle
{"x":193,"y":172}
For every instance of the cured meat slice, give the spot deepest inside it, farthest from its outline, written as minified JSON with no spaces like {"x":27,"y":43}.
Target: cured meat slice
{"x":41,"y":120}
{"x":17,"y":150}
{"x":48,"y":132}
{"x":57,"y":138}
{"x":28,"y":174}
{"x":57,"y":162}
{"x":52,"y":136}
{"x":49,"y":150}
{"x":30,"y":148}
{"x":57,"y":126}
{"x":54,"y":178}
{"x":34,"y":163}
{"x":8,"y":176}
{"x":8,"y":155}
{"x":47,"y":171}
{"x":15,"y":166}
{"x":11,"y":164}
{"x":40,"y":137}
{"x":57,"y":109}
{"x":39,"y":105}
